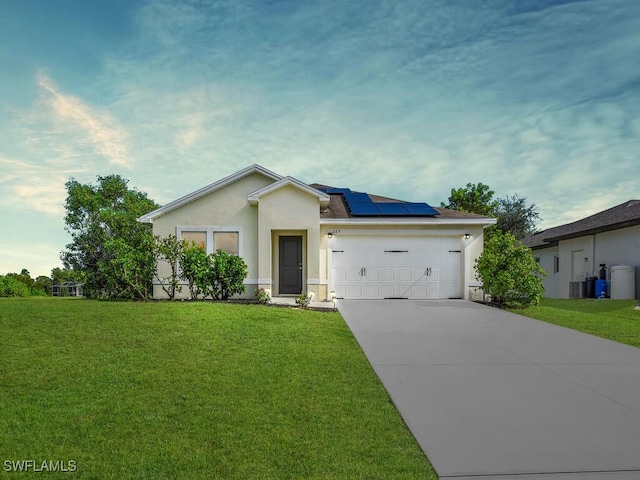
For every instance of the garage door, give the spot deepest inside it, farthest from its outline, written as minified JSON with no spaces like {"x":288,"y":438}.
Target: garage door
{"x":396,"y":267}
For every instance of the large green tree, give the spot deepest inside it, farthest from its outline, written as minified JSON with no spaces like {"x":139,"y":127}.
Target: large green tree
{"x":109,"y":246}
{"x":512,"y":212}
{"x":472,"y":199}
{"x":515,"y":216}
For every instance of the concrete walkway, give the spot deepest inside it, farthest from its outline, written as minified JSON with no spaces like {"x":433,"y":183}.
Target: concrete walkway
{"x":493,"y":395}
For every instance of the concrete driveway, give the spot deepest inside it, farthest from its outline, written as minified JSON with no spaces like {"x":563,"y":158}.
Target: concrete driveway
{"x":493,"y":395}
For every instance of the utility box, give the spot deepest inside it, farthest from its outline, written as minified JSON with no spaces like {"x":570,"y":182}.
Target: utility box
{"x":623,"y":282}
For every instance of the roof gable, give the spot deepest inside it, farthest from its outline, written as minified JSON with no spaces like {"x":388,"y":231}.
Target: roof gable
{"x":323,"y":198}
{"x":148,"y":218}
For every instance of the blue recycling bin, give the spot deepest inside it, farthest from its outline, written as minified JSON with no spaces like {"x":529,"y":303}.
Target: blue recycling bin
{"x":601,"y":288}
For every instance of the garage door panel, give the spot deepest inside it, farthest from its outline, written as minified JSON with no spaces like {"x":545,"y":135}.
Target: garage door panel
{"x":394,"y":266}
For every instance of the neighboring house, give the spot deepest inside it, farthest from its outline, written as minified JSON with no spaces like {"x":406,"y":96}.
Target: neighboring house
{"x":67,"y":289}
{"x":299,"y":238}
{"x":572,"y":252}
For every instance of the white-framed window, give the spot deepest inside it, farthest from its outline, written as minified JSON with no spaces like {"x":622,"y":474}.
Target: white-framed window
{"x":227,"y":241}
{"x":556,"y":264}
{"x":213,"y":238}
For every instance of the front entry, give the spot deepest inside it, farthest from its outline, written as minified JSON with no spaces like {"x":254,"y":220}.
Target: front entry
{"x":290,"y":265}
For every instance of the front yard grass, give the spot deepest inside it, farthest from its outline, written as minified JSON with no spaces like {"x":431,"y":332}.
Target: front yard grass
{"x":613,"y":319}
{"x":194,"y":390}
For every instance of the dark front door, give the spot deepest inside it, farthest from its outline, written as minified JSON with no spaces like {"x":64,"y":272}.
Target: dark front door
{"x":290,"y":265}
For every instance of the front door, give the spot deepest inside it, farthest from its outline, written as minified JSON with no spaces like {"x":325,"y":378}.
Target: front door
{"x":290,"y":265}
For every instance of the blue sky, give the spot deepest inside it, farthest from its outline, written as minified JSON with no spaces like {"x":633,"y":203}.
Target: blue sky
{"x":404,"y":98}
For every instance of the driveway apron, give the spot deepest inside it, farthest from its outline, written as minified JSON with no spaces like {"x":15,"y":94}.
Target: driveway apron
{"x":493,"y":395}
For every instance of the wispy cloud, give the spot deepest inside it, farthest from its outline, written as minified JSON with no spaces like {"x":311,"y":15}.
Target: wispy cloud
{"x":97,"y":129}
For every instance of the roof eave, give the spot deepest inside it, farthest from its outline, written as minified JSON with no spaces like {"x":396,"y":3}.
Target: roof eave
{"x":483,"y":222}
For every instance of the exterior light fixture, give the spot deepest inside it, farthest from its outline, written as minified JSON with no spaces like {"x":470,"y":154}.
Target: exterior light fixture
{"x":467,"y":236}
{"x":330,"y":235}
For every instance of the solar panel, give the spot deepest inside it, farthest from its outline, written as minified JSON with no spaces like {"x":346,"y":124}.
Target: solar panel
{"x":420,"y":209}
{"x":364,"y":209}
{"x":353,"y":197}
{"x":361,"y":204}
{"x":392,"y":209}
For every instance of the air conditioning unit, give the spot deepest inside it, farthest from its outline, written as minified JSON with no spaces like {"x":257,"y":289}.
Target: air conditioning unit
{"x":576,"y":289}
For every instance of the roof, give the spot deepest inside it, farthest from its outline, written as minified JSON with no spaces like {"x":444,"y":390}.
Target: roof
{"x":333,"y":204}
{"x":626,"y":214}
{"x":338,"y":208}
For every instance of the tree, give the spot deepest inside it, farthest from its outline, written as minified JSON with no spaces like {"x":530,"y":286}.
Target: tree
{"x":108,"y":243}
{"x":43,"y":284}
{"x":516,"y":217}
{"x":11,"y":287}
{"x":194,"y":264}
{"x":169,"y":249}
{"x":508,"y":271}
{"x":472,"y":199}
{"x":512,"y":213}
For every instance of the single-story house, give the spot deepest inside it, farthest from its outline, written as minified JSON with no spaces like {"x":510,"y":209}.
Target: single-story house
{"x":67,"y":289}
{"x":572,"y":252}
{"x":332,"y":242}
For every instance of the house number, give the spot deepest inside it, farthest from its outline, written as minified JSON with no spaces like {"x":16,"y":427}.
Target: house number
{"x":334,"y":231}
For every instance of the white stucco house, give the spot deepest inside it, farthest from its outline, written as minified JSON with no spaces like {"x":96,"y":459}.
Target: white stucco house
{"x":298,"y":237}
{"x":572,"y":252}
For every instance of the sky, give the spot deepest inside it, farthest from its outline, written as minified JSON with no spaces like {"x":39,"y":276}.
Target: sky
{"x":401,"y":98}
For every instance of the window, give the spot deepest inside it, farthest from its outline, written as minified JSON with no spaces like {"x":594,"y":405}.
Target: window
{"x":214,"y":238}
{"x":536,"y":259}
{"x":199,"y":238}
{"x":556,"y":264}
{"x":227,"y":241}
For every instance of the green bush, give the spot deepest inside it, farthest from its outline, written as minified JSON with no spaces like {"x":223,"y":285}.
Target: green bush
{"x":509,"y":272}
{"x":219,"y":275}
{"x":226,"y":275}
{"x":10,"y":287}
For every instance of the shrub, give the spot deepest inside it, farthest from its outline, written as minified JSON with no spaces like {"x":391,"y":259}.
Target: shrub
{"x":219,"y":275}
{"x":227,"y":275}
{"x":509,"y":272}
{"x":303,"y":300}
{"x":194,"y":266}
{"x":11,"y":287}
{"x":262,"y":296}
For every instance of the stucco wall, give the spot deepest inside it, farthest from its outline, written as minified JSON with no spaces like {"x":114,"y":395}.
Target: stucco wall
{"x":551,"y":281}
{"x":620,"y":247}
{"x":289,"y":211}
{"x":227,"y":207}
{"x":617,"y":247}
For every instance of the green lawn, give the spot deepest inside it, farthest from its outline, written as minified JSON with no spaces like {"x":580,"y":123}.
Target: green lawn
{"x":194,"y":390}
{"x":613,"y":319}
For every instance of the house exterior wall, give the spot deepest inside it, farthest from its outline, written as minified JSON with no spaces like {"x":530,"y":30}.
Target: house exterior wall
{"x":224,"y":208}
{"x":581,"y":257}
{"x":546,"y":259}
{"x":619,"y":247}
{"x":289,"y":211}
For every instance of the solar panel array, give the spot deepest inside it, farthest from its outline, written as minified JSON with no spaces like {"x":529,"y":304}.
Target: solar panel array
{"x":361,"y":204}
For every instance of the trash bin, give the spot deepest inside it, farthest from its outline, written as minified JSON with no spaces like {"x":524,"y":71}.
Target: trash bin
{"x":601,"y":288}
{"x":590,"y":287}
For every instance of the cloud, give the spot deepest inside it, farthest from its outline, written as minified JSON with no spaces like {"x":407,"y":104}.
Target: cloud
{"x":27,"y":185}
{"x":97,"y":129}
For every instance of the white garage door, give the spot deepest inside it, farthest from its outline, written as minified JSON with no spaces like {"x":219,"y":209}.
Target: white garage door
{"x":396,"y":267}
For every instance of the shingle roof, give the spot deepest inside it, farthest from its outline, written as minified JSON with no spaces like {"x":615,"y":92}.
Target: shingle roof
{"x":626,"y":214}
{"x":338,"y":207}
